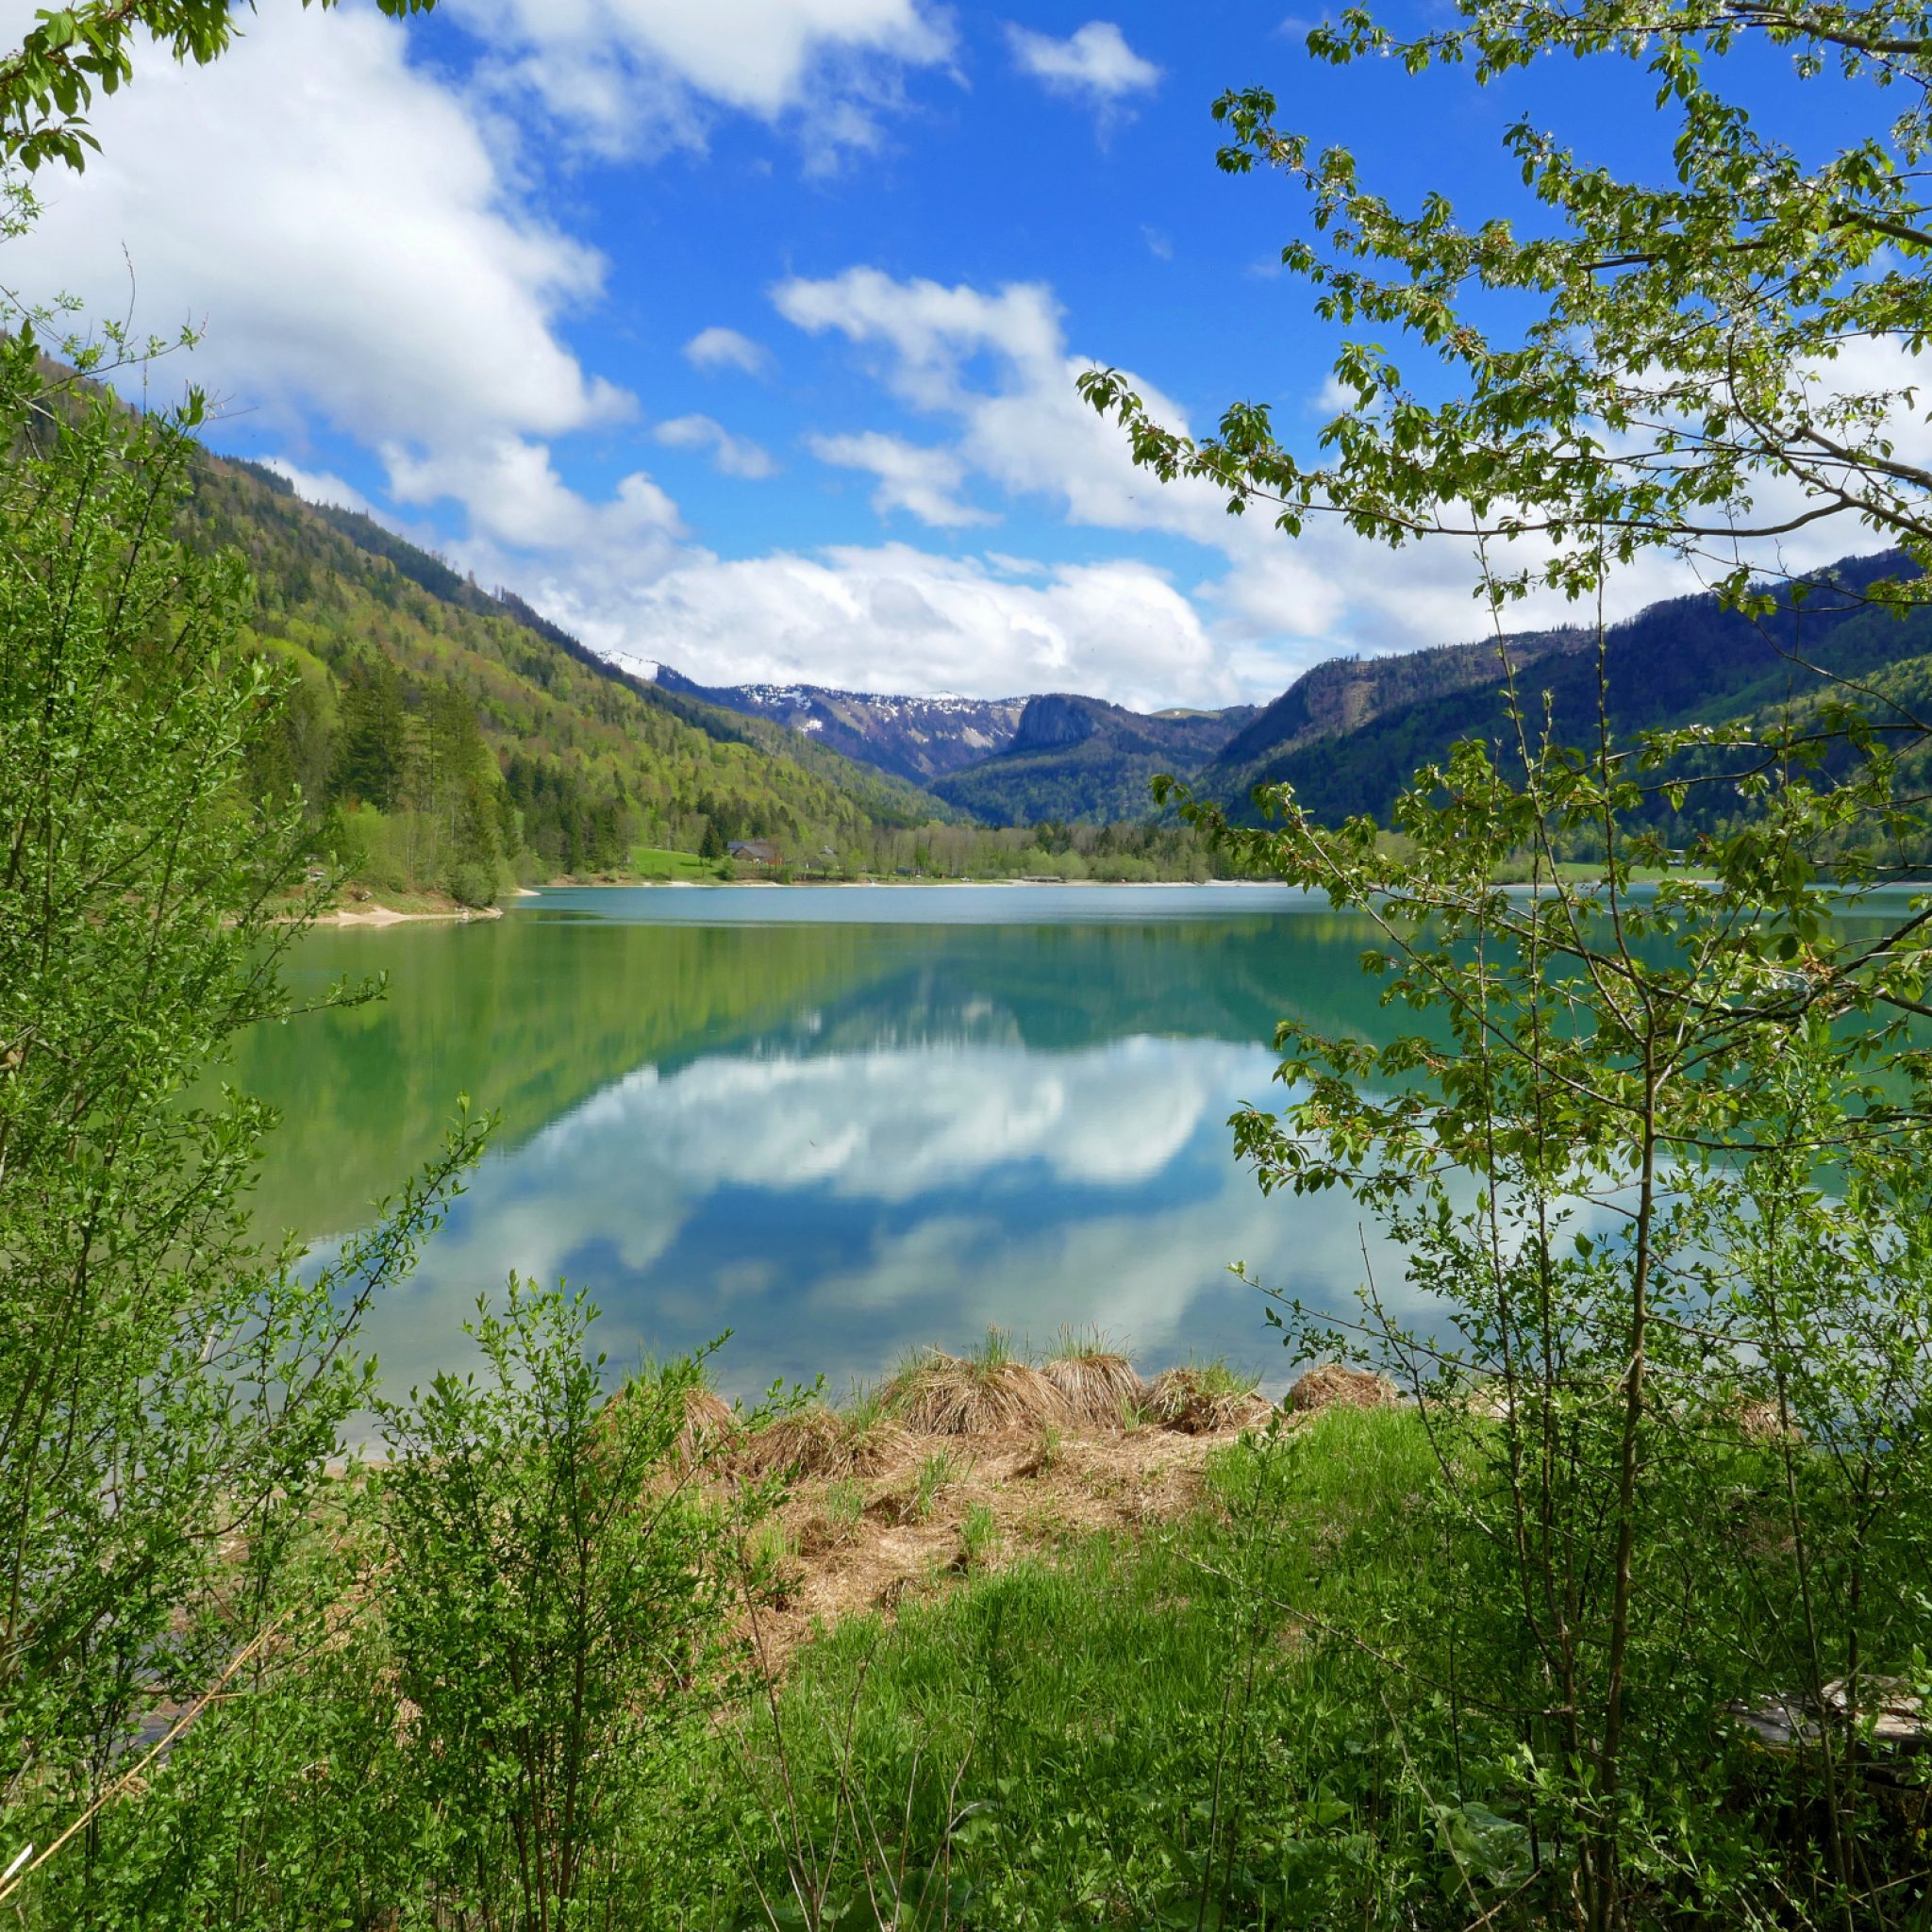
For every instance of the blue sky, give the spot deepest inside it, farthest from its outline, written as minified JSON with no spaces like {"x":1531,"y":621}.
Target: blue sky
{"x":741,"y":334}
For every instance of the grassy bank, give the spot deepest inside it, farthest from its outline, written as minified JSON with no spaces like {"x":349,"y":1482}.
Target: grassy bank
{"x":1142,"y":1728}
{"x":1244,"y":1702}
{"x":1008,"y":1642}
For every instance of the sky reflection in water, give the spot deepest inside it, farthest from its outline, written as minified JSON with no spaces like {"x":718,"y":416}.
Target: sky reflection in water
{"x":840,"y":1123}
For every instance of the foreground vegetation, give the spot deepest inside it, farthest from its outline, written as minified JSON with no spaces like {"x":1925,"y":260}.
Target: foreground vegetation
{"x":541,"y":1668}
{"x":1621,"y":1620}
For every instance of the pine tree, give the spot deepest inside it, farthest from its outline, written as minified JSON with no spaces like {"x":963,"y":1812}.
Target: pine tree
{"x":372,"y":749}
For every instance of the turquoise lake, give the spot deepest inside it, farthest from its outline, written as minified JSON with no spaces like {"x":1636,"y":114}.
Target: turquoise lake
{"x":841,"y":1122}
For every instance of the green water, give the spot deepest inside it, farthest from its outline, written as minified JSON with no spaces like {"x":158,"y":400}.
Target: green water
{"x":840,"y":1122}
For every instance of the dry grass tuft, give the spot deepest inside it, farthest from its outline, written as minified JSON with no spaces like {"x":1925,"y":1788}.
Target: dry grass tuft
{"x":957,"y":1395}
{"x":819,"y":1442}
{"x":942,"y":1504}
{"x":1099,"y":1387}
{"x":707,"y":1423}
{"x":1332,"y":1386}
{"x":1205,"y":1398}
{"x":1759,"y":1420}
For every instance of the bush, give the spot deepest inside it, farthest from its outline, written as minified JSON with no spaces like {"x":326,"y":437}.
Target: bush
{"x":495,"y":1652}
{"x":473,"y":882}
{"x":556,"y":1600}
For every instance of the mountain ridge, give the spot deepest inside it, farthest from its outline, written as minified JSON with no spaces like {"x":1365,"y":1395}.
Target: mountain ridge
{"x":917,"y":738}
{"x":1075,"y":757}
{"x":1349,"y":732}
{"x":1679,"y":662}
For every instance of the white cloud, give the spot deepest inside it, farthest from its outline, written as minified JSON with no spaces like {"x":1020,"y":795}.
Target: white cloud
{"x":925,"y":482}
{"x":419,"y":303}
{"x":997,"y":368}
{"x":998,"y":365}
{"x":629,"y":75}
{"x":1096,"y":62}
{"x":717,"y":349}
{"x":516,"y":499}
{"x":344,"y":229}
{"x":320,"y":486}
{"x":732,"y":456}
{"x":898,"y":619}
{"x":929,"y":329}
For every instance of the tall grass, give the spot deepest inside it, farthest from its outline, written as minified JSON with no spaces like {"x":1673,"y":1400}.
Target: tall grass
{"x":1147,"y":1732}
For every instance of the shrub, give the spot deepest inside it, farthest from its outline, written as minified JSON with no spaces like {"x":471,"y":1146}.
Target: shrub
{"x":555,"y":1598}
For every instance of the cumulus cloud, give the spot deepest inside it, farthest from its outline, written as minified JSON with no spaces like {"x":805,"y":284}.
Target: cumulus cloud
{"x":622,"y":76}
{"x":419,"y":302}
{"x":898,"y":619}
{"x":996,"y":368}
{"x":1094,"y":63}
{"x":717,"y":349}
{"x":925,"y":482}
{"x":732,"y":456}
{"x":343,"y":227}
{"x":997,"y":364}
{"x":897,"y":1124}
{"x":930,"y":330}
{"x":516,"y":499}
{"x":320,"y":486}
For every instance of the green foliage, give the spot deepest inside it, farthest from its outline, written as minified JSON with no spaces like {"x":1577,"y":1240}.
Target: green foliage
{"x":169,"y":1389}
{"x":494,"y":1653}
{"x":555,"y":1600}
{"x":937,"y":1473}
{"x":1652,"y":1155}
{"x":1668,"y":380}
{"x":1656,"y":1165}
{"x":1686,"y":362}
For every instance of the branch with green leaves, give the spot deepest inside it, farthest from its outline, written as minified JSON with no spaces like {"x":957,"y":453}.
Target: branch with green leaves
{"x":50,"y":80}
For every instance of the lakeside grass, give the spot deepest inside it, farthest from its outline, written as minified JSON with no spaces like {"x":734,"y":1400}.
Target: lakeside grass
{"x":1063,"y":1663}
{"x":1047,"y":1661}
{"x":1235,"y":1704}
{"x":1135,"y":1729}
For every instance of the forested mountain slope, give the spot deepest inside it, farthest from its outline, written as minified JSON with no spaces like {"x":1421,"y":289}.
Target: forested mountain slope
{"x":1349,"y":734}
{"x":455,"y":738}
{"x":1078,"y":757}
{"x":1345,"y":694}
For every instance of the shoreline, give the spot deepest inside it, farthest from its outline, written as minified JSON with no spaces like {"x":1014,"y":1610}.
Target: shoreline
{"x":374,"y":914}
{"x":896,"y":1498}
{"x":834,"y":885}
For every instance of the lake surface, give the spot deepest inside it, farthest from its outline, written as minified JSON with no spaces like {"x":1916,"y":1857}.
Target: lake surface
{"x":841,"y":1121}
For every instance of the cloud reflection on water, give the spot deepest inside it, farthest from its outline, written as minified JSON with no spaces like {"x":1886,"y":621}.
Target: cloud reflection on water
{"x":837,"y":1210}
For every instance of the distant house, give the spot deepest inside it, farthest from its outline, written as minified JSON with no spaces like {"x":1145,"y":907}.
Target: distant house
{"x":756,"y":851}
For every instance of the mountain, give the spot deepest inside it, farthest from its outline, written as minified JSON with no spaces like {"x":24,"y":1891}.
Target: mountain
{"x":1348,"y":694}
{"x":1348,"y":734}
{"x":1075,"y":757}
{"x":454,"y":736}
{"x":915,"y":739}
